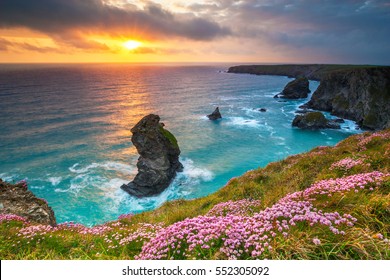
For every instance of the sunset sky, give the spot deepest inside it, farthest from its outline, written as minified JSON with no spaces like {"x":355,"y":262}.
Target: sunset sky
{"x":305,"y":31}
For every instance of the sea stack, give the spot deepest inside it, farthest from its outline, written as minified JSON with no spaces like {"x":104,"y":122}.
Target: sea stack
{"x":215,"y":115}
{"x":159,"y":157}
{"x":298,"y":88}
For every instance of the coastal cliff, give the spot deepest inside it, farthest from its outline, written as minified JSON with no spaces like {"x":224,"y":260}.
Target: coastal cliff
{"x":359,"y":93}
{"x":16,"y":199}
{"x":362,"y":95}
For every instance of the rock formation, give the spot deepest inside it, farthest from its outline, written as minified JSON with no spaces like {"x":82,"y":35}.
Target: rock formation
{"x":18,"y":200}
{"x":357,"y":92}
{"x":298,"y":88}
{"x":362,"y":95}
{"x":314,"y":120}
{"x":159,"y":158}
{"x":215,"y":115}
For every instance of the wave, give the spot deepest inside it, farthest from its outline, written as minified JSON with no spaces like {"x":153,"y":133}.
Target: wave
{"x":243,"y":122}
{"x":54,"y":180}
{"x":109,"y":165}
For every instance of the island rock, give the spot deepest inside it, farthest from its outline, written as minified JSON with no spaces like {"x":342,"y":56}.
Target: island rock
{"x":298,"y":88}
{"x":159,"y":158}
{"x":313,"y":120}
{"x":18,"y":200}
{"x":215,"y":115}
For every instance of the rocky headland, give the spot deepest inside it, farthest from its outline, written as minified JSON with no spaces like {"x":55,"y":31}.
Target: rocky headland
{"x":296,"y":89}
{"x":159,"y":157}
{"x":16,"y":199}
{"x":357,"y":92}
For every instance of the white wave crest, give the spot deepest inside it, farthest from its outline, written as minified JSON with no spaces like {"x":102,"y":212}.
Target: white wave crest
{"x":109,"y":165}
{"x":240,"y":121}
{"x":54,"y":180}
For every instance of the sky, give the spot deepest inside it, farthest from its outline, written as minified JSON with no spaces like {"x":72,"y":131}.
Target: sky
{"x":154,"y":31}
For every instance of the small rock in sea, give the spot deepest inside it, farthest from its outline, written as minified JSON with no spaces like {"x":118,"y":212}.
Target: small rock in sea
{"x":263,"y":110}
{"x":215,"y":115}
{"x":314,"y":120}
{"x":339,"y":120}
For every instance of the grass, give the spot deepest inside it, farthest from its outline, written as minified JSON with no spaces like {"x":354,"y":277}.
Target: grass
{"x":125,"y":238}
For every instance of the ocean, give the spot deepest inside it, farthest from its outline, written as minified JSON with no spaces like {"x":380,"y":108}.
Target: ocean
{"x":66,"y":130}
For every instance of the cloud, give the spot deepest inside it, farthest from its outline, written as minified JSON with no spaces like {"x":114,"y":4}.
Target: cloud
{"x":71,"y":20}
{"x":351,"y":30}
{"x":5,"y":45}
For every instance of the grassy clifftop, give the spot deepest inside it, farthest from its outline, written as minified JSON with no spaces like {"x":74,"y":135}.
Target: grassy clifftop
{"x":329,"y":203}
{"x":311,"y":71}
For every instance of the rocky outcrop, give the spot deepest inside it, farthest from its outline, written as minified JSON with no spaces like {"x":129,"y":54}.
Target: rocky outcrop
{"x":314,"y":120}
{"x":159,"y":158}
{"x":215,"y":115}
{"x":357,"y":92}
{"x":362,"y":95}
{"x":298,"y":88}
{"x":18,"y":200}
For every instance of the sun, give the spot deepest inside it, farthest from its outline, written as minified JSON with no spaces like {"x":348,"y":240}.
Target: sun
{"x":132,"y":44}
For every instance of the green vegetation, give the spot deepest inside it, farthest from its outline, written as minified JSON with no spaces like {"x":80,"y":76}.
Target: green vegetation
{"x":367,"y":238}
{"x":172,"y":139}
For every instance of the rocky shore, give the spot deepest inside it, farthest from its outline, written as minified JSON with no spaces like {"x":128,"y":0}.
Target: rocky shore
{"x":16,"y":199}
{"x":359,"y":93}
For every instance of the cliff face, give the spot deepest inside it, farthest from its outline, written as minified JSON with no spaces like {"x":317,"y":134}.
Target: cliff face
{"x":18,"y":200}
{"x":159,"y":157}
{"x":362,"y":95}
{"x":357,"y":92}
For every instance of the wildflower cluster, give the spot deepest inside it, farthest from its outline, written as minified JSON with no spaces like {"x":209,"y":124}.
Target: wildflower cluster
{"x":239,"y":236}
{"x":240,"y":207}
{"x":364,"y":139}
{"x":11,"y":217}
{"x":144,"y":232}
{"x":346,"y":164}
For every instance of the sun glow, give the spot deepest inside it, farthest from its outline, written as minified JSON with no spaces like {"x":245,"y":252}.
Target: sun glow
{"x":132,"y":44}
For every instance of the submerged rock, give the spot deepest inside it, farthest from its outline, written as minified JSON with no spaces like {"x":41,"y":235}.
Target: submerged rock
{"x":18,"y":200}
{"x":298,"y":88}
{"x":314,"y":120}
{"x":159,"y":157}
{"x":215,"y":115}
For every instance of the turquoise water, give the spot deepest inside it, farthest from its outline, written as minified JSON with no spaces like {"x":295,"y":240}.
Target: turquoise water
{"x":66,"y":130}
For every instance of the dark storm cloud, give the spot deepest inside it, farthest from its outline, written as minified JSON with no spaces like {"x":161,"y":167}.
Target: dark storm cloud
{"x":352,"y":30}
{"x":64,"y":19}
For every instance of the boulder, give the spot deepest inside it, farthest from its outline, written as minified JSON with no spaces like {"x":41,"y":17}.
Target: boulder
{"x":159,"y":158}
{"x":18,"y":200}
{"x":314,"y":120}
{"x":298,"y":88}
{"x":215,"y":115}
{"x":263,"y":110}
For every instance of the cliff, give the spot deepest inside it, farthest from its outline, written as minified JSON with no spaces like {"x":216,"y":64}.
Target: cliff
{"x":329,"y":203}
{"x":362,"y":95}
{"x":357,"y":92}
{"x":16,"y":199}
